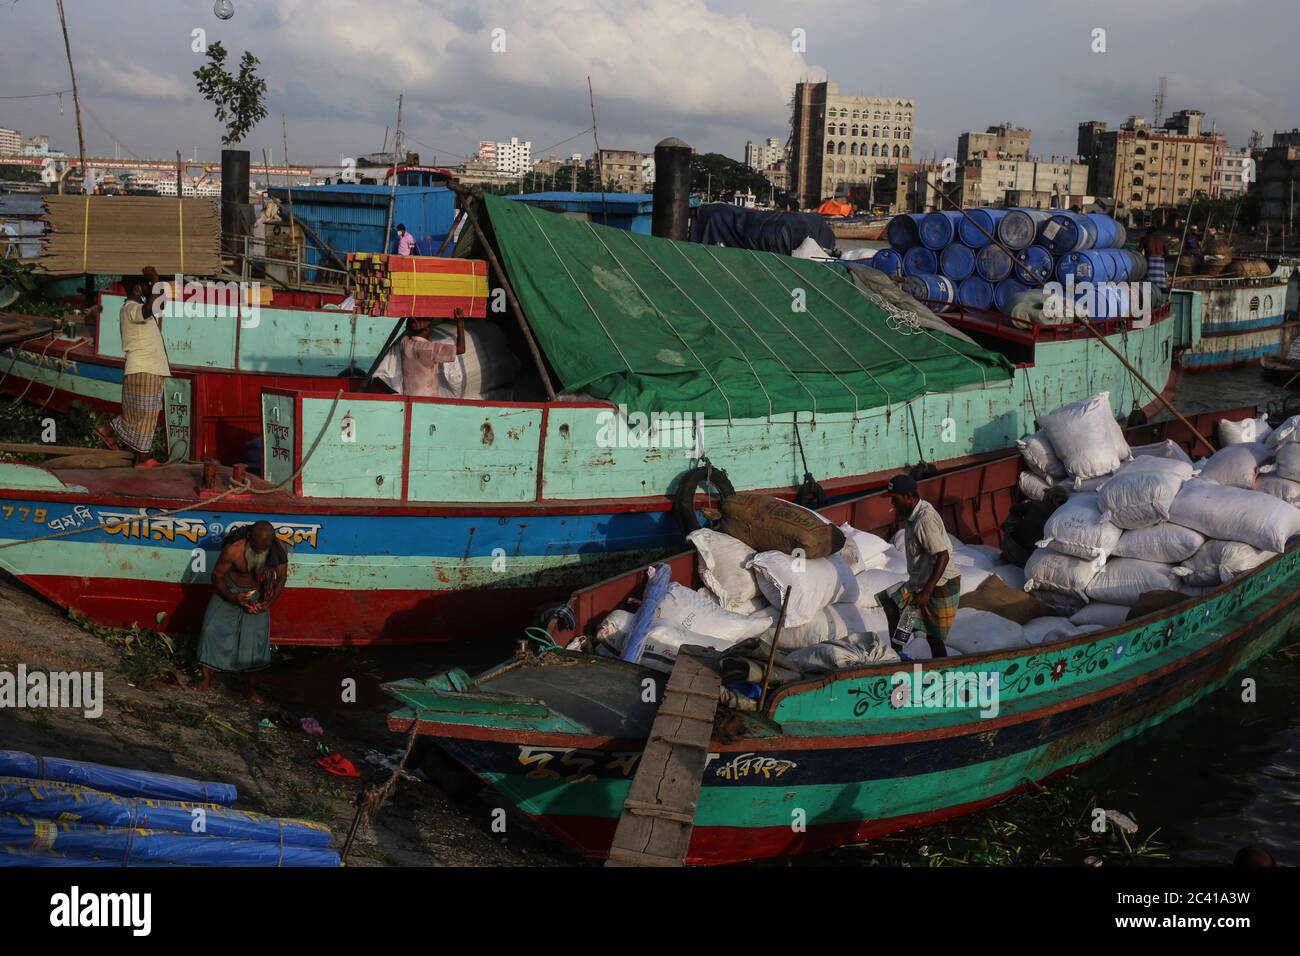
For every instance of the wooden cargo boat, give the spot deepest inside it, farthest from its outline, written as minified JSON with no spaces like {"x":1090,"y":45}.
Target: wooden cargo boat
{"x":411,"y":515}
{"x":561,"y":735}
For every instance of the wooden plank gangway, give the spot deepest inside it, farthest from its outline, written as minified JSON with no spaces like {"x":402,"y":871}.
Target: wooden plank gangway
{"x":658,"y":815}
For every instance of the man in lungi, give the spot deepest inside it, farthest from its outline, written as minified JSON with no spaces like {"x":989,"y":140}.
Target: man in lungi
{"x":1154,"y":248}
{"x":145,"y":372}
{"x":933,"y":586}
{"x":247,"y":580}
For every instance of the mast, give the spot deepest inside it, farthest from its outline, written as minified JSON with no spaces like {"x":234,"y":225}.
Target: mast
{"x":76,"y":99}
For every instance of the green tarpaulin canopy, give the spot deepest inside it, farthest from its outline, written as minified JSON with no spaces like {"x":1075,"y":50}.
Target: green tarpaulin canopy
{"x":658,"y":325}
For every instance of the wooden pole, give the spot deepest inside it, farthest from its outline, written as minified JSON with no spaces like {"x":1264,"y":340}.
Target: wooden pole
{"x":771,"y":653}
{"x":600,"y":166}
{"x":1091,"y":330}
{"x":392,"y":193}
{"x":1183,"y":241}
{"x":76,"y":99}
{"x":518,"y":311}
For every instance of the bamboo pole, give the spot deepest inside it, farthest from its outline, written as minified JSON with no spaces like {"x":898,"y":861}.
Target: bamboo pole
{"x":1091,"y":330}
{"x":392,"y":193}
{"x":771,"y":653}
{"x":76,"y":98}
{"x":468,"y":197}
{"x":600,"y":166}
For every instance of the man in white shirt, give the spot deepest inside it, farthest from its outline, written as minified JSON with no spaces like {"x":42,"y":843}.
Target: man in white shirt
{"x":145,"y":372}
{"x":933,"y":585}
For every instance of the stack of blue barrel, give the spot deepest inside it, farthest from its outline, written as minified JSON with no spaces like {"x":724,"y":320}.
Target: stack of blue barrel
{"x":949,"y":258}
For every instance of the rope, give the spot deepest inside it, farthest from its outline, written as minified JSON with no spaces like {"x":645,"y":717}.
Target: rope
{"x":903,"y":317}
{"x":58,"y":377}
{"x":372,"y":799}
{"x":31,"y":381}
{"x":924,"y":385}
{"x":244,"y":487}
{"x":659,"y":312}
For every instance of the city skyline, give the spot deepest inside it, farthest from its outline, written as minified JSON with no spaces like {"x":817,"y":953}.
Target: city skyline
{"x":715,"y":73}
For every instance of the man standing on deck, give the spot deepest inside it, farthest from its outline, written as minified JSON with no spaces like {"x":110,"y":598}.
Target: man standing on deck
{"x":405,"y":241}
{"x":933,"y":586}
{"x":248,"y":578}
{"x":145,"y":372}
{"x":1153,"y":247}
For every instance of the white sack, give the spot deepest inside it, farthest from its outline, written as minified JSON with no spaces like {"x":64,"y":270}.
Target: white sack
{"x":1011,"y":575}
{"x":1033,"y":486}
{"x":875,"y":580}
{"x":832,"y":623}
{"x":1288,"y":461}
{"x":1073,"y":630}
{"x":1124,"y":580}
{"x":814,"y":583}
{"x":1078,"y":528}
{"x":1101,"y":613}
{"x":1048,"y":570}
{"x":683,"y":608}
{"x":1087,"y":486}
{"x":663,"y":642}
{"x":1039,"y":629}
{"x":1234,"y":514}
{"x":870,"y":546}
{"x":1248,"y":430}
{"x":826,"y":657}
{"x":1140,"y":495}
{"x":723,"y":568}
{"x":972,"y":578}
{"x":1289,"y":430}
{"x":1165,"y":543}
{"x":1236,"y":466}
{"x":974,"y":632}
{"x":1037,"y":451}
{"x":1162,"y":449}
{"x":1086,"y":436}
{"x":1282,"y":488}
{"x":982,"y":556}
{"x":1218,"y":562}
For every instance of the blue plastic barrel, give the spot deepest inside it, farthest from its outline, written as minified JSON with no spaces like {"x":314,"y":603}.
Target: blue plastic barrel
{"x":938,"y":229}
{"x":920,"y":261}
{"x":1005,"y":291}
{"x":1067,"y":232}
{"x":901,"y":232}
{"x":887,"y":261}
{"x":993,"y":263}
{"x":1137,"y":264}
{"x":987,"y":219}
{"x":1088,"y":266}
{"x":1108,"y":231}
{"x":957,"y":261}
{"x":1120,"y":267}
{"x":1019,"y":227}
{"x":935,"y":291}
{"x":1034,"y":266}
{"x":975,"y":293}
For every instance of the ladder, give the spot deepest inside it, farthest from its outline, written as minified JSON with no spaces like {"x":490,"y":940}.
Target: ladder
{"x":658,"y":815}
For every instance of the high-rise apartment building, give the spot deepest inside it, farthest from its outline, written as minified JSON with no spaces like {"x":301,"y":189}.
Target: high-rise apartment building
{"x":838,"y":140}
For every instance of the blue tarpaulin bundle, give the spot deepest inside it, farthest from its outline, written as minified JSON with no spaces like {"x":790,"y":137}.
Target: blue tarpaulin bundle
{"x":11,"y":857}
{"x":62,"y":801}
{"x":124,"y":783}
{"x":151,"y":846}
{"x":721,"y":224}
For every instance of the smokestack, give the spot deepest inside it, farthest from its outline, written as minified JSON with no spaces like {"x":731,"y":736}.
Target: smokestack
{"x":672,"y":189}
{"x":235,"y":211}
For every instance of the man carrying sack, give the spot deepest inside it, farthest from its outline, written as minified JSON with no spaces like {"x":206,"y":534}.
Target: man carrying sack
{"x":933,"y":587}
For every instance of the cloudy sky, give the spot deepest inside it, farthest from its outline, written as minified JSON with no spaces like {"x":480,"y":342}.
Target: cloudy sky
{"x":713,"y":72}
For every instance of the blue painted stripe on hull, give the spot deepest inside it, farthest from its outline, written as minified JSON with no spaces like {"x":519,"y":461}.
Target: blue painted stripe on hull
{"x":84,"y":368}
{"x":1243,"y":325}
{"x":435,"y":537}
{"x":1231,"y":356}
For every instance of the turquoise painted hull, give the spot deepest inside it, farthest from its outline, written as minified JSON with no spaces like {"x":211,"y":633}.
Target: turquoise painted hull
{"x":839,"y":761}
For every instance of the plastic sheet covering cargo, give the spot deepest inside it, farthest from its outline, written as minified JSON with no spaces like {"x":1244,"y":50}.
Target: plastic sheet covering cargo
{"x":659,"y":325}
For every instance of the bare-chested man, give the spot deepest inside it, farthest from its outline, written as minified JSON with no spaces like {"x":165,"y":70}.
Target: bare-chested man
{"x":248,"y":579}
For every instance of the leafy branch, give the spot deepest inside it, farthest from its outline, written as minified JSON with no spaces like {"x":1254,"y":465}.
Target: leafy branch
{"x":237,"y":99}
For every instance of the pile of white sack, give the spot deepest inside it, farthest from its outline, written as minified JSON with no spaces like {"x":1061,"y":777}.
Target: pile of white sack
{"x":834,"y":606}
{"x":1149,"y":518}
